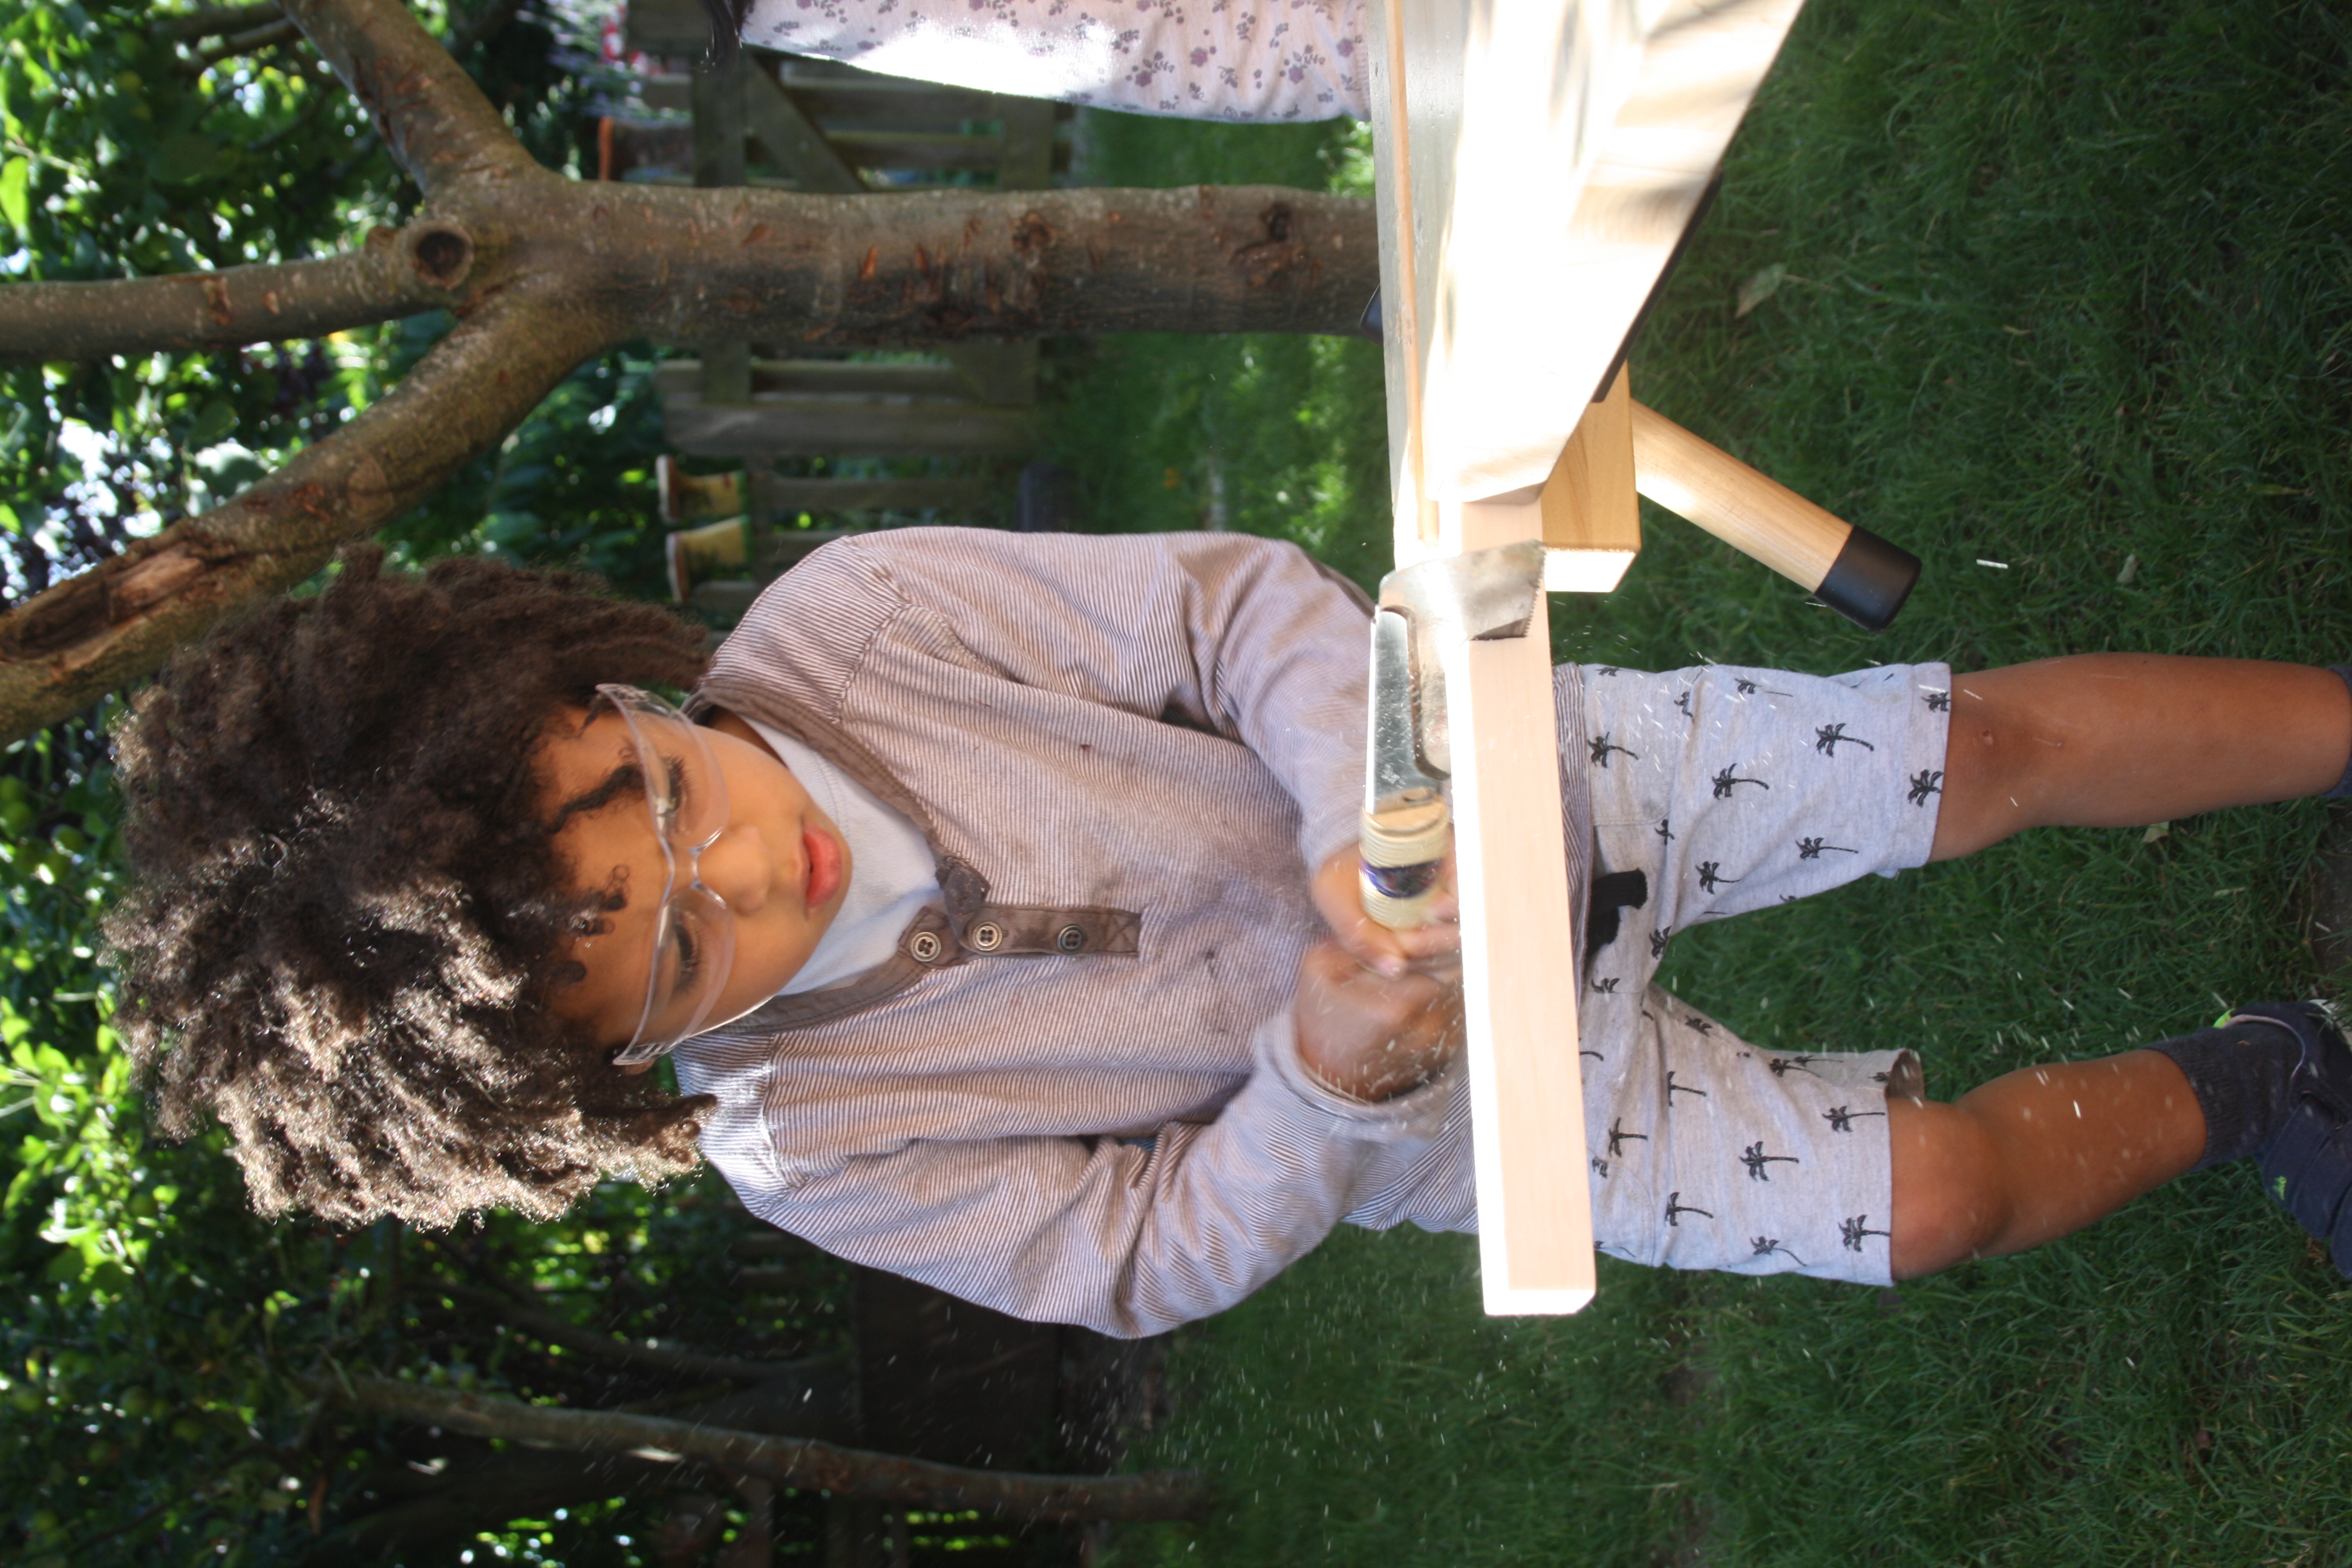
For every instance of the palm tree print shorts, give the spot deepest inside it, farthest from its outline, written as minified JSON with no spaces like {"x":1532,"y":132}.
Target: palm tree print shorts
{"x":1716,"y":791}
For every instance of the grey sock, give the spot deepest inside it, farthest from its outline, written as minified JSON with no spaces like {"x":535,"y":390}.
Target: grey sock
{"x":2238,"y":1073}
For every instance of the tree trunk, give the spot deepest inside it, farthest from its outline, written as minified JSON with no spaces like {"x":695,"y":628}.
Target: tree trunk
{"x":545,"y":273}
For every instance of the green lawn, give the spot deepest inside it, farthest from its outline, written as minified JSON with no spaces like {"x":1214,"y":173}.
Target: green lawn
{"x":2064,"y":287}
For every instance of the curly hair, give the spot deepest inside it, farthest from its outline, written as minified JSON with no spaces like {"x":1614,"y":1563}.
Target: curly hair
{"x":348,"y":911}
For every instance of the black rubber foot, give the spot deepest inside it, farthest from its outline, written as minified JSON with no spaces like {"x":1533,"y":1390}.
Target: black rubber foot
{"x":1869,"y":580}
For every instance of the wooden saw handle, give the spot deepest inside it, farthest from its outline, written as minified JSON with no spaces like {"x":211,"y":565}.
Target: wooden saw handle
{"x":1403,"y":848}
{"x":1852,"y":570}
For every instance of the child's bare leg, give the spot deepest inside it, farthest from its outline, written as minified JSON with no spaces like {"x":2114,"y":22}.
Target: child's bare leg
{"x":2034,"y":1154}
{"x":2122,"y":740}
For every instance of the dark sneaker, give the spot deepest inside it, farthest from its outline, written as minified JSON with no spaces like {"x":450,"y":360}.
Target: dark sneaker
{"x":2307,"y":1164}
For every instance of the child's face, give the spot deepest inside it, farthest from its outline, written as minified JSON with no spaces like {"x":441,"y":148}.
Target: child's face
{"x":780,"y":865}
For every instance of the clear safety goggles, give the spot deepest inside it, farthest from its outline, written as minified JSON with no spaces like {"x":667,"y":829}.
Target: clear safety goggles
{"x":693,"y":934}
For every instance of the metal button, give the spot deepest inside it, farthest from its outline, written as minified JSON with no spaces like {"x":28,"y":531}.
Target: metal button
{"x":1070,"y":939}
{"x":926,"y":947}
{"x":986,"y":936}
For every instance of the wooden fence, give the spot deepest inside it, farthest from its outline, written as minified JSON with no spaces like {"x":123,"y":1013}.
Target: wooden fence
{"x":903,"y":436}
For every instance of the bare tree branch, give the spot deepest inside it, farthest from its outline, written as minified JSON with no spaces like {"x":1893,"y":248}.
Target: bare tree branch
{"x":555,"y":1330}
{"x":212,"y":21}
{"x":398,"y":273}
{"x":267,"y":37}
{"x":432,"y":119}
{"x":486,"y":1491}
{"x":246,"y":29}
{"x":64,"y":649}
{"x":520,"y":1484}
{"x":788,"y":1461}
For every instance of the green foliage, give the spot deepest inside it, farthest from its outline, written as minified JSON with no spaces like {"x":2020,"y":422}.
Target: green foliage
{"x":150,"y":1324}
{"x":124,"y":159}
{"x":573,"y":486}
{"x":123,"y":162}
{"x":1271,"y":435}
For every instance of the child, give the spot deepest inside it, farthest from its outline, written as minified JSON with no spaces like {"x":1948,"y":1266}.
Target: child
{"x":991,"y":899}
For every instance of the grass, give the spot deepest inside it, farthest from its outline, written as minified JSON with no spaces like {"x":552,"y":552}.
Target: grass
{"x":1285,"y":433}
{"x":2066,"y":288}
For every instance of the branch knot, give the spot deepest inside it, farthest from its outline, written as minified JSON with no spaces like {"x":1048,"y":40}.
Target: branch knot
{"x":441,"y":254}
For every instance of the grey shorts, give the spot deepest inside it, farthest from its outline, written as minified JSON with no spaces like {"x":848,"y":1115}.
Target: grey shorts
{"x":1725,"y":790}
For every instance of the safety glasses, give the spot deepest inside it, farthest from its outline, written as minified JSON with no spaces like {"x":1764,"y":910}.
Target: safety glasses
{"x":693,"y":934}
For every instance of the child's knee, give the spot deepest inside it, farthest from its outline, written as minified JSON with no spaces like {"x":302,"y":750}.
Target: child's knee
{"x":1950,"y":1201}
{"x":1987,"y":791}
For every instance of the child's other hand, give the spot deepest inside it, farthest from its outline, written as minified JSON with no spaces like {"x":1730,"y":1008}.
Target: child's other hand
{"x":1370,"y":1036}
{"x":1432,"y":949}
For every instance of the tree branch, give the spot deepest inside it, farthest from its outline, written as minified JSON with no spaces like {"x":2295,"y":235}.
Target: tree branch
{"x":212,"y":21}
{"x":398,"y":273}
{"x":65,"y":647}
{"x":520,"y":1484}
{"x":247,"y":29}
{"x":544,"y":274}
{"x":801,"y":1462}
{"x":485,"y":1490}
{"x":432,"y":119}
{"x":556,"y":1329}
{"x":697,"y":266}
{"x":266,"y":36}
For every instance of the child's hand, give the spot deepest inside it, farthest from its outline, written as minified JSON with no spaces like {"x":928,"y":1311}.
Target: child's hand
{"x":1433,"y":949}
{"x":1368,"y":1035}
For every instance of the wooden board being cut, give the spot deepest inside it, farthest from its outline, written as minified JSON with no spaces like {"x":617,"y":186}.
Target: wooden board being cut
{"x":1537,"y":162}
{"x":1544,"y":155}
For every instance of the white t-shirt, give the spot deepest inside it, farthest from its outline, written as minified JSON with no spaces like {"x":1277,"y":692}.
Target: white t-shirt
{"x":892,"y":874}
{"x":1201,"y":60}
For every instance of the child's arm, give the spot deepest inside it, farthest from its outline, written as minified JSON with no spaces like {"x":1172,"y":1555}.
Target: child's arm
{"x":1243,"y":636}
{"x":1131,"y":1236}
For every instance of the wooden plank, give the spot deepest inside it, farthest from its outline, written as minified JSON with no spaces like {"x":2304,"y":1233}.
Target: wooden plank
{"x":670,"y":28}
{"x":807,"y":427}
{"x":793,"y":144}
{"x":1028,"y":152}
{"x":997,"y":372}
{"x":1517,"y":303}
{"x":1006,"y":373}
{"x":915,"y":378}
{"x":1519,"y":975}
{"x":775,"y":495}
{"x":1536,"y":161}
{"x":1592,"y":525}
{"x":860,"y":102}
{"x":860,"y":98}
{"x":719,"y":108}
{"x":920,"y":152}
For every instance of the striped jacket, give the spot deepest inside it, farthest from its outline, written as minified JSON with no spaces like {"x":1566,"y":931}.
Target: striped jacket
{"x":1074,"y":1095}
